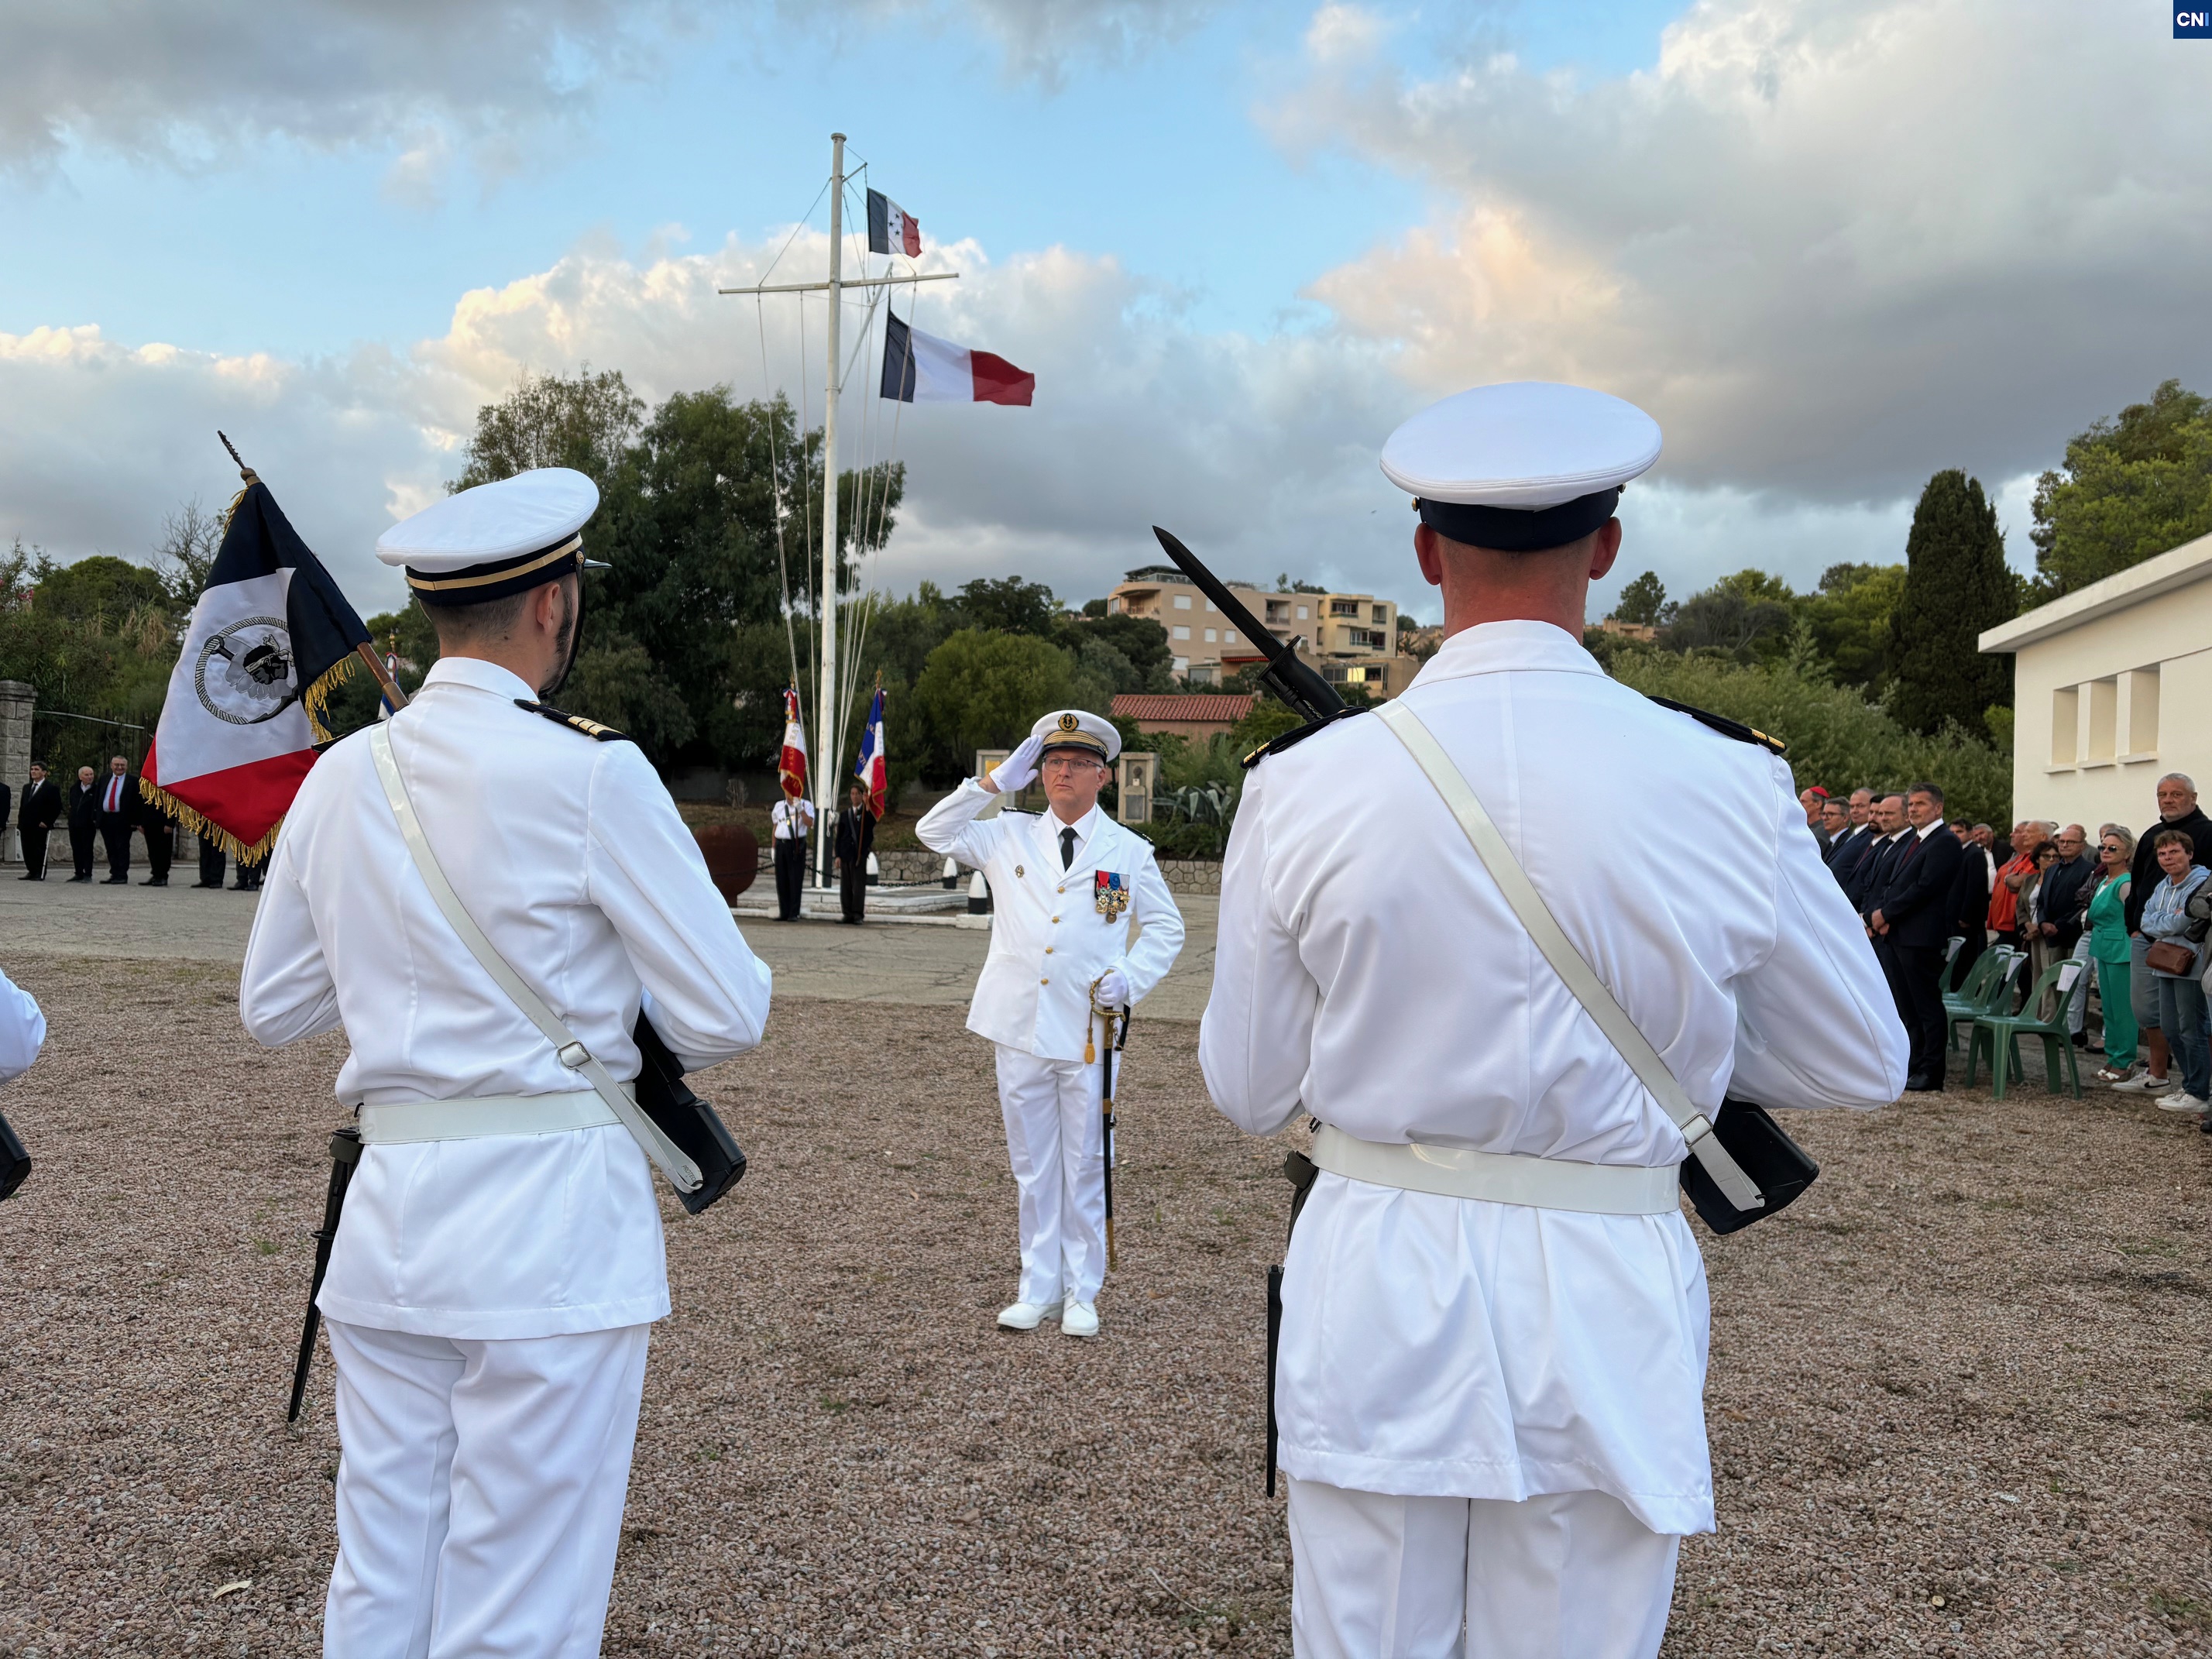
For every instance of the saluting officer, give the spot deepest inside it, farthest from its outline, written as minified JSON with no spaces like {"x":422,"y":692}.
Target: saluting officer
{"x":1494,"y":1334}
{"x":499,"y":1261}
{"x":1065,"y":887}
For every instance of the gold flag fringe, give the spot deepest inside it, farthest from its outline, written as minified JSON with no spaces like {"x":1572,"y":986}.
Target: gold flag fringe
{"x":316,"y":701}
{"x":206,"y":829}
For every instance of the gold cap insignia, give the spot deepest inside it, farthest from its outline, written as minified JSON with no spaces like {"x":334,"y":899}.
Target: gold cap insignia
{"x":1069,"y":723}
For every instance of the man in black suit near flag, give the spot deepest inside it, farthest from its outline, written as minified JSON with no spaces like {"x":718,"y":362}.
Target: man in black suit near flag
{"x":118,"y":813}
{"x":83,"y":821}
{"x":1914,"y":916}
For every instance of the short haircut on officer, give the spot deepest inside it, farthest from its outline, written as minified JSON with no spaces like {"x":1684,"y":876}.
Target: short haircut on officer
{"x":499,"y":618}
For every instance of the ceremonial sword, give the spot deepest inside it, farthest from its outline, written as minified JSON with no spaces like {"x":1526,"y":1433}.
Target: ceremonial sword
{"x":1106,"y":1102}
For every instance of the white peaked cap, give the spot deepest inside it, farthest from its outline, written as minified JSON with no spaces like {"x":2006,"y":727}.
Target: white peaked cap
{"x":493,"y":538}
{"x":1078,"y":728}
{"x":1525,"y":444}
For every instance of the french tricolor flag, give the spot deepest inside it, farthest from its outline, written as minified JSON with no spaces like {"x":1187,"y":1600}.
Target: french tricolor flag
{"x":869,"y":773}
{"x":921,"y":368}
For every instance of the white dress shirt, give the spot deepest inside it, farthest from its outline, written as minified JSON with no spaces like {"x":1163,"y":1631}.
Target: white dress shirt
{"x":792,"y":823}
{"x":1369,"y":971}
{"x":571,"y":857}
{"x":1049,"y":941}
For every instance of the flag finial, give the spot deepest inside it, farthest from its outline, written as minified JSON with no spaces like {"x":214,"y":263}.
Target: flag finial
{"x":243,"y":471}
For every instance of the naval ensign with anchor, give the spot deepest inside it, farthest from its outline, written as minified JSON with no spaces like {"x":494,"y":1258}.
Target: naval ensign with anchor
{"x":1065,"y":888}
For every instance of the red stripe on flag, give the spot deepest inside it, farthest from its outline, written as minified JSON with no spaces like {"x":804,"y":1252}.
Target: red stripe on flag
{"x":997,"y":381}
{"x":246,"y":800}
{"x":910,"y":235}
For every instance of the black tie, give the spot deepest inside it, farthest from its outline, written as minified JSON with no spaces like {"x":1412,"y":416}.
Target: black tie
{"x":1067,"y":847}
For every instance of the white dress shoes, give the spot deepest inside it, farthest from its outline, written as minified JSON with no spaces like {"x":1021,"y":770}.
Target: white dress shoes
{"x":1027,"y":1316}
{"x":1081,"y":1319}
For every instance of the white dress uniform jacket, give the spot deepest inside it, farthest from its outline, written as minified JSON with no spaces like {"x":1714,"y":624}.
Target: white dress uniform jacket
{"x":1049,"y":944}
{"x":1369,"y":971}
{"x":571,"y":857}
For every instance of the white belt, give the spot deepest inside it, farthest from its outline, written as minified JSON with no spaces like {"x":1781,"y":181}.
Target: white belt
{"x":1543,"y":1184}
{"x":484,"y":1114}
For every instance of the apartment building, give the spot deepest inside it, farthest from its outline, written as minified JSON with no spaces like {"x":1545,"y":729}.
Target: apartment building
{"x":1351,"y":637}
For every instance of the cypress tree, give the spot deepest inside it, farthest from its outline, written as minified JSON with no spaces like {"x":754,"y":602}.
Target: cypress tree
{"x":1956,"y":585}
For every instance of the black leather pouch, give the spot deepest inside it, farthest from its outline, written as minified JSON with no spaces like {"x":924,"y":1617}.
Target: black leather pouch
{"x":1777,"y":1166}
{"x":685,"y":1119}
{"x":14,"y":1161}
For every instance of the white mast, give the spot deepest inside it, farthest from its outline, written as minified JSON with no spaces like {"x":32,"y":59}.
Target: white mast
{"x":828,"y":737}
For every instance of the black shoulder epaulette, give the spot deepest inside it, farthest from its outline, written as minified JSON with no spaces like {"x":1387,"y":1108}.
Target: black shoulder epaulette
{"x":1275,"y":745}
{"x":576,"y":722}
{"x":1724,"y":726}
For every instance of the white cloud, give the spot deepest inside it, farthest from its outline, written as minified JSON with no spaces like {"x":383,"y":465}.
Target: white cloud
{"x":1833,"y":247}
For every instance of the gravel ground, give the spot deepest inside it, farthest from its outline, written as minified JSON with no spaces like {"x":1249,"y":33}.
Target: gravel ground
{"x":1961,"y":1400}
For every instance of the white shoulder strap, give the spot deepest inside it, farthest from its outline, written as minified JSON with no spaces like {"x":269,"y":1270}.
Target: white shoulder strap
{"x":666,"y":1154}
{"x":1567,"y":962}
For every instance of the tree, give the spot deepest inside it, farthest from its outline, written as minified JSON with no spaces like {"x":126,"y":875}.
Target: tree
{"x":1956,"y":585}
{"x":1138,"y":640}
{"x":983,"y":690}
{"x":2132,"y":488}
{"x":1010,"y":606}
{"x":585,"y":422}
{"x":1849,"y":619}
{"x":1747,"y":614}
{"x":190,"y":538}
{"x":1642,"y":600}
{"x":100,"y":586}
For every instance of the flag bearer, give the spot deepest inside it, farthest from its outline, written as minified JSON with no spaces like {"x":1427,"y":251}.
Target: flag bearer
{"x":1066,"y":886}
{"x":499,"y":1263}
{"x":1490,"y":1407}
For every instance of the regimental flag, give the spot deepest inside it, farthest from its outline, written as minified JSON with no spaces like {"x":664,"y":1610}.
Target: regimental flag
{"x":870,"y":771}
{"x":791,"y":764}
{"x":269,"y":638}
{"x":920,"y":367}
{"x":891,"y":228}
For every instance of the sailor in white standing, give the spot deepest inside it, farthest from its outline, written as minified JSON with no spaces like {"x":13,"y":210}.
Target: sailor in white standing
{"x":1490,"y":1407}
{"x":499,"y":1261}
{"x":1066,"y":888}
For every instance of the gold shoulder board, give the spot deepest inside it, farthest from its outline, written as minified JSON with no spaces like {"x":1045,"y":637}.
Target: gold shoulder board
{"x":590,"y":728}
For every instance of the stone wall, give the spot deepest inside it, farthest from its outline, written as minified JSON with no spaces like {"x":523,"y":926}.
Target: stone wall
{"x":17,"y":700}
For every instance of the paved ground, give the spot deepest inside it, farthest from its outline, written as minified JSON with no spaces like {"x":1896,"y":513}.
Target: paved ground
{"x":873,"y":963}
{"x":1962,"y":1395}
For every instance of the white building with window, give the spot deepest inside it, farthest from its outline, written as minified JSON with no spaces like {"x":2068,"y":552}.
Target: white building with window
{"x":1352,"y":637}
{"x":2112,"y":686}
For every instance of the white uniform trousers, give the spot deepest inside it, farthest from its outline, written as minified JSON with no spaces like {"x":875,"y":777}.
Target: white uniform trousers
{"x":1569,"y":1575}
{"x":480,"y":1491}
{"x":1054,"y":1141}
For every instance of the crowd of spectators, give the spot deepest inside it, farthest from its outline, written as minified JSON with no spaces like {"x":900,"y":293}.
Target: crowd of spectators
{"x":108,"y":813}
{"x":2129,"y":913}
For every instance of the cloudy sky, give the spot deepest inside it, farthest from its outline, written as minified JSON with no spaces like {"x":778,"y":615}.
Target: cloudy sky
{"x":1832,"y":247}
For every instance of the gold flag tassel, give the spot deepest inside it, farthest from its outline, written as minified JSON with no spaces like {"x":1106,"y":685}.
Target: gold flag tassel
{"x":206,"y":829}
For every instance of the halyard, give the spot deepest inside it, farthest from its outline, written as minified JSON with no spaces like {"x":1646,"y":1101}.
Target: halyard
{"x":1960,"y":1396}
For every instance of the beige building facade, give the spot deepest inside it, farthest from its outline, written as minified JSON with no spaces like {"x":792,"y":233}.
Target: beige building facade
{"x":1351,"y":637}
{"x":2111,"y":687}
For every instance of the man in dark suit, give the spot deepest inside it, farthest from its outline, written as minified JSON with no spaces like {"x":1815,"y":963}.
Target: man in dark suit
{"x":1886,"y":819}
{"x":1915,"y":916}
{"x":1854,"y":844}
{"x":1970,"y":905}
{"x":118,"y":817}
{"x":84,"y":820}
{"x":42,"y":804}
{"x":161,"y":833}
{"x":856,"y":839}
{"x":212,"y":861}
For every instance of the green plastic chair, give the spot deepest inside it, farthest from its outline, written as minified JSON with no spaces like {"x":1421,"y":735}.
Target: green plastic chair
{"x":1986,"y":981}
{"x":2004,"y":1031}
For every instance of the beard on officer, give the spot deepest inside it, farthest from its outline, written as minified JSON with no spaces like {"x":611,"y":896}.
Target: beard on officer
{"x":499,"y":1262}
{"x":1494,"y":1319}
{"x":1066,"y":886}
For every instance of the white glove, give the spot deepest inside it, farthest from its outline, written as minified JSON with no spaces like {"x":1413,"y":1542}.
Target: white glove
{"x":1113,"y":990}
{"x":1019,"y":769}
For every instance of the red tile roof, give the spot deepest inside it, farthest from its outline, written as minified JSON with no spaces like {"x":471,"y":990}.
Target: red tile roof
{"x":1145,"y":707}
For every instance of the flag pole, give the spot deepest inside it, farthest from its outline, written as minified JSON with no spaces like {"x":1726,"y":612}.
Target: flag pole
{"x":826,"y":704}
{"x":365,"y":651}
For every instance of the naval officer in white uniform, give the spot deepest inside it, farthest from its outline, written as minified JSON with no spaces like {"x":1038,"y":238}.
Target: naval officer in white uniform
{"x":490,"y":1294}
{"x":1491,"y":1412}
{"x":1065,"y":887}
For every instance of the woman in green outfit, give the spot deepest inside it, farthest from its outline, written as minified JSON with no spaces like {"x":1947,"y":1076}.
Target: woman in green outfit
{"x":2108,"y":948}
